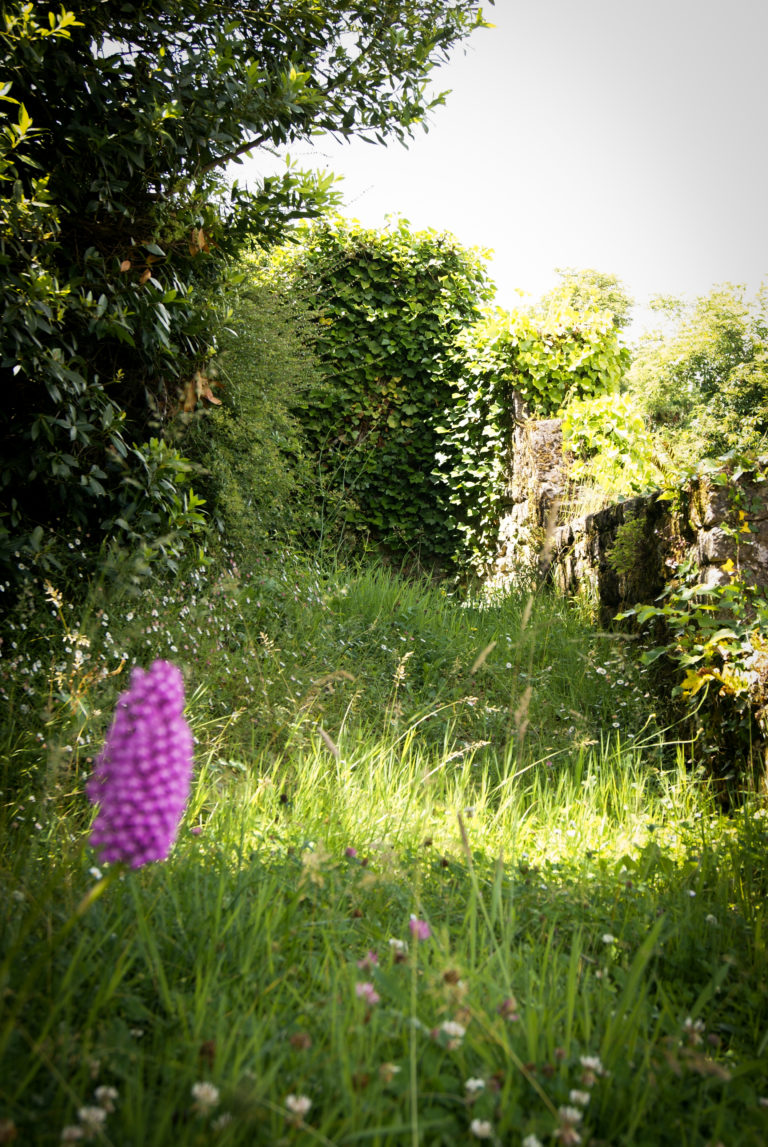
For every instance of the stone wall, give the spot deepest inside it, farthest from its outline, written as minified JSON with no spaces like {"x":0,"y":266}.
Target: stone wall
{"x":625,"y":554}
{"x":537,"y":475}
{"x":707,"y":521}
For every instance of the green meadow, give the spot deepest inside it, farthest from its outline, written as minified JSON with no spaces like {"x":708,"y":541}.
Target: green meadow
{"x":444,"y":877}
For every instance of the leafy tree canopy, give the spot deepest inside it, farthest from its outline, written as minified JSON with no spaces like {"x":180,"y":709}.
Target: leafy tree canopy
{"x":586,"y":290}
{"x":117,"y":226}
{"x":702,"y":379}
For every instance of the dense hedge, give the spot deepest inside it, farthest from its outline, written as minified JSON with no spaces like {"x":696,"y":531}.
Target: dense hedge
{"x":390,"y":307}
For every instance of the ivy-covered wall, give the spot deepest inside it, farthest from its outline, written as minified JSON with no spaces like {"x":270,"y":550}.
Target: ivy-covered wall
{"x":687,"y":568}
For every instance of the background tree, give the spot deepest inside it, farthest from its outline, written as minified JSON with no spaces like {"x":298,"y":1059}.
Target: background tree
{"x":703,"y":381}
{"x":117,"y":228}
{"x":586,"y":290}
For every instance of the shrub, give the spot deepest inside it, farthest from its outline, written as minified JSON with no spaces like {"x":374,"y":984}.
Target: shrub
{"x":259,"y":483}
{"x":390,"y":307}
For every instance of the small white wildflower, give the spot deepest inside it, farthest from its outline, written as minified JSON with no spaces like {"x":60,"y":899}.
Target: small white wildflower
{"x":608,"y":938}
{"x":205,"y":1095}
{"x":532,"y":1141}
{"x":72,"y":1133}
{"x":570,"y":1114}
{"x":398,"y":945}
{"x":105,"y":1097}
{"x":710,"y":919}
{"x":592,"y":1063}
{"x":95,"y":872}
{"x":298,"y":1105}
{"x":474,"y":1085}
{"x":481,"y":1128}
{"x":581,"y":1098}
{"x":92,"y":1119}
{"x":388,"y":1071}
{"x":693,"y":1030}
{"x":455,"y":1033}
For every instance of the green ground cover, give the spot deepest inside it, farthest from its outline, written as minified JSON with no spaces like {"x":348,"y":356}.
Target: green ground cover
{"x":443,"y":878}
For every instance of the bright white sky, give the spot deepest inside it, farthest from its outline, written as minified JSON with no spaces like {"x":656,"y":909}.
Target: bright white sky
{"x":625,"y":135}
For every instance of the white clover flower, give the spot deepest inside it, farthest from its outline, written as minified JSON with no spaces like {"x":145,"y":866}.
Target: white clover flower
{"x":592,"y":1068}
{"x":592,"y":1063}
{"x":298,"y":1105}
{"x":92,"y":1120}
{"x":532,"y":1141}
{"x":693,"y":1030}
{"x":481,"y":1128}
{"x":105,"y":1097}
{"x":398,"y":945}
{"x":581,"y":1098}
{"x":72,"y":1133}
{"x":205,"y":1095}
{"x":570,"y":1114}
{"x":474,"y":1085}
{"x":388,"y":1071}
{"x":452,"y":1029}
{"x":608,"y":938}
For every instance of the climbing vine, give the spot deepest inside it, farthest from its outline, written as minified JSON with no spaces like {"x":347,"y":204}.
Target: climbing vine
{"x":611,"y":447}
{"x":389,"y":306}
{"x":413,"y":416}
{"x":713,"y":635}
{"x":549,"y":358}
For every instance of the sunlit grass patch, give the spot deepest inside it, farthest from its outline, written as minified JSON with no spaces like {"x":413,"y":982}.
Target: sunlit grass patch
{"x":403,"y":907}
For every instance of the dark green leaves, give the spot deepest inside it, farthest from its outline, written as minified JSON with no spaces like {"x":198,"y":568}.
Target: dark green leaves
{"x":392,"y":305}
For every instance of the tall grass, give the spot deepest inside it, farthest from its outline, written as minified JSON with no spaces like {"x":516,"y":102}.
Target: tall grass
{"x":371,"y":750}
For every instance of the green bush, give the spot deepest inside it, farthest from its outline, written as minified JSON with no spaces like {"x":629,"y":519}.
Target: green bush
{"x":611,"y":445}
{"x":390,"y":307}
{"x":259,"y":482}
{"x":701,"y":380}
{"x":118,"y":229}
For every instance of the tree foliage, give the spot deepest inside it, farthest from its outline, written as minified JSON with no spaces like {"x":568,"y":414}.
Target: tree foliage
{"x":611,"y":447}
{"x":587,"y":290}
{"x":117,"y":227}
{"x":703,"y":381}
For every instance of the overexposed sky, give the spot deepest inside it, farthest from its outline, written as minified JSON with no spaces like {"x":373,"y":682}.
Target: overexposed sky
{"x":625,"y":135}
